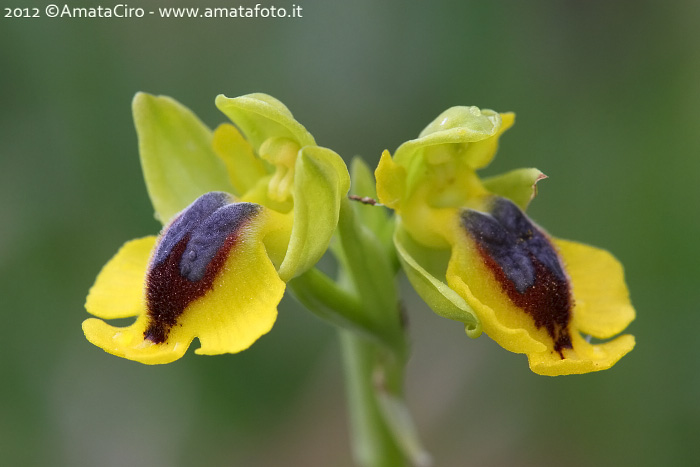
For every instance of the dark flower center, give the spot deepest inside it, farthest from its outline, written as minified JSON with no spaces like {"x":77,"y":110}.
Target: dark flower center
{"x":189,"y":256}
{"x":525,"y":263}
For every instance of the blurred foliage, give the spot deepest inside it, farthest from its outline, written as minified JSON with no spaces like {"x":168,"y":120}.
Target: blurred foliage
{"x":606,"y":96}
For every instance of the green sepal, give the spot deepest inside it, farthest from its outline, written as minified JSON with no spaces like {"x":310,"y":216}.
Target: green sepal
{"x":471,"y":133}
{"x":425,"y":270}
{"x":321,"y":181}
{"x":261,"y":117}
{"x":519,"y":185}
{"x":177,"y":158}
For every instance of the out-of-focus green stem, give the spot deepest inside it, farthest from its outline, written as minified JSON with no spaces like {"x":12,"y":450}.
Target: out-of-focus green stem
{"x":363,"y":302}
{"x":373,"y":443}
{"x":367,"y":267}
{"x":371,"y":367}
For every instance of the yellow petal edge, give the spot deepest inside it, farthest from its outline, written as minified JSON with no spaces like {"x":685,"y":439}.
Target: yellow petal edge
{"x":601,"y":309}
{"x":240,"y":308}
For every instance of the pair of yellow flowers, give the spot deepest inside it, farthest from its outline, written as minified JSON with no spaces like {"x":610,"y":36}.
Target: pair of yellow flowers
{"x":249,"y":207}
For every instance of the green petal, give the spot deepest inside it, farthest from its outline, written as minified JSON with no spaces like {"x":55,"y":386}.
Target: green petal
{"x":261,"y":117}
{"x":177,"y":158}
{"x":519,"y":185}
{"x":391,"y":181}
{"x":374,"y":217}
{"x":471,"y":132}
{"x":244,"y":167}
{"x":321,"y":181}
{"x":425,"y":267}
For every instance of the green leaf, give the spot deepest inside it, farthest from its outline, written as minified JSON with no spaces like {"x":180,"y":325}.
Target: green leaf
{"x":425,"y":268}
{"x":261,"y":117}
{"x":321,"y":181}
{"x":177,"y":158}
{"x":519,"y":185}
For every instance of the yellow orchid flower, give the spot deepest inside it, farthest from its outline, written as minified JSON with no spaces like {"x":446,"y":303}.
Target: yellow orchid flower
{"x":474,"y":256}
{"x":246,"y":212}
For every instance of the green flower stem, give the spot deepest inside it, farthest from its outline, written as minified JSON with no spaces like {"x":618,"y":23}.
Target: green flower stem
{"x":372,"y":369}
{"x":329,"y":301}
{"x":367,"y":269}
{"x":325,"y":298}
{"x":363,"y":303}
{"x":373,"y":443}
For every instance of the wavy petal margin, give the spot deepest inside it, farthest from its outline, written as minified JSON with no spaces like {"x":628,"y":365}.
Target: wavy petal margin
{"x":240,"y":307}
{"x":601,"y":308}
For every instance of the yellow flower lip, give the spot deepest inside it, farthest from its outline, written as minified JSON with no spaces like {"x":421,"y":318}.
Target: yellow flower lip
{"x":191,"y":252}
{"x":218,"y":270}
{"x":525,"y":263}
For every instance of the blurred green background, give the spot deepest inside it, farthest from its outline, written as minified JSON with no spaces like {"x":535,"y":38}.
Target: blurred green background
{"x":607,"y":96}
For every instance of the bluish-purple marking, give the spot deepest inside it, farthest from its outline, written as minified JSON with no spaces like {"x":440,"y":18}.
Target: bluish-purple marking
{"x":189,"y":256}
{"x":526,"y":265}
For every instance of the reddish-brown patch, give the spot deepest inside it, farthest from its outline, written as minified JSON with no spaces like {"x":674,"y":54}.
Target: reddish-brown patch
{"x":168,"y":293}
{"x":548,"y":301}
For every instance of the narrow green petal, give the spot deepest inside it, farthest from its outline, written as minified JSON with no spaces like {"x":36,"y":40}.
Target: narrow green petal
{"x":391,"y":181}
{"x":424,"y":268}
{"x":374,"y":217}
{"x":261,"y":117}
{"x":519,"y":185}
{"x":244,"y":167}
{"x":177,"y":158}
{"x":321,"y":181}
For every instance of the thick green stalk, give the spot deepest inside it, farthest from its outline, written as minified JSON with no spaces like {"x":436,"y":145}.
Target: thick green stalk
{"x":363,"y":303}
{"x":366,"y":265}
{"x":373,"y":443}
{"x":371,"y":368}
